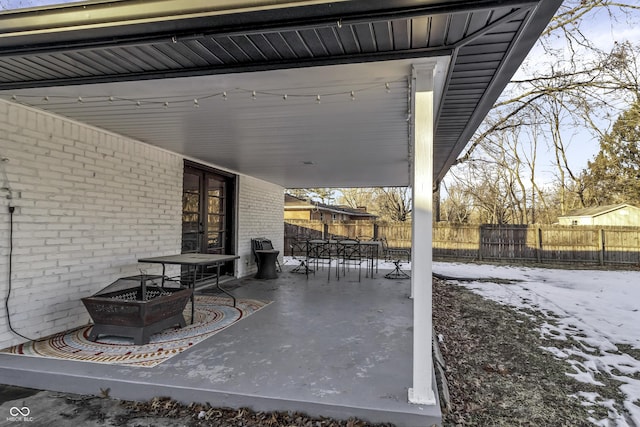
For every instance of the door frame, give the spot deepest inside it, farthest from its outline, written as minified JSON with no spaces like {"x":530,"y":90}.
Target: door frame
{"x":230,"y":199}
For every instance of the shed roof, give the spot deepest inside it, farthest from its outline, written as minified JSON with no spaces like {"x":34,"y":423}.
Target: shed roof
{"x":296,"y":203}
{"x":141,"y":67}
{"x":597,"y":210}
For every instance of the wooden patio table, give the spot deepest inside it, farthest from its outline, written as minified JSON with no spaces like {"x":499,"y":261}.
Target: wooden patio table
{"x":195,"y":261}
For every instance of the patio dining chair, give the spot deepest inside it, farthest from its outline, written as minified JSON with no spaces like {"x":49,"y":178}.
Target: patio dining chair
{"x":321,"y":253}
{"x":350,"y":253}
{"x":298,"y":249}
{"x":393,"y":254}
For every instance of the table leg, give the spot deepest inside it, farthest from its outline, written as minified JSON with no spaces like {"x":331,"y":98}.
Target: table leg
{"x":218,"y":285}
{"x":193,"y":294}
{"x":376,"y":248}
{"x":374,"y":258}
{"x":307,"y":269}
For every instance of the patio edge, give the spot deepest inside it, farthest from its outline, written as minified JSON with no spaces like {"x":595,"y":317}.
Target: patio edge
{"x":60,"y":380}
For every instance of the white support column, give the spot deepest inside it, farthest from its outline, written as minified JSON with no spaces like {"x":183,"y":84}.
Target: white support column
{"x":422,"y":235}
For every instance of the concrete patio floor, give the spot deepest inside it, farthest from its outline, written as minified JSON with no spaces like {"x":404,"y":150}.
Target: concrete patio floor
{"x":327,"y":348}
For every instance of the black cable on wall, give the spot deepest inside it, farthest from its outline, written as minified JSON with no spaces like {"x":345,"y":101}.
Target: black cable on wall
{"x":6,"y":186}
{"x":10,"y":268}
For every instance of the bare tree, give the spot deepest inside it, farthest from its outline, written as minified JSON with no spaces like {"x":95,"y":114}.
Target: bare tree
{"x":359,"y":197}
{"x":578,"y":88}
{"x":323,"y":195}
{"x":300,"y":193}
{"x":456,"y":207}
{"x":394,"y":203}
{"x":484,"y":189}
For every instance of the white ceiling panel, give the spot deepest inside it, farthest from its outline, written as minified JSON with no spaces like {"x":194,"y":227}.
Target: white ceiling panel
{"x":359,"y":140}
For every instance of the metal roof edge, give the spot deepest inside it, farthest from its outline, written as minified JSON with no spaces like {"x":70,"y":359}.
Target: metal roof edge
{"x":519,"y":49}
{"x":153,"y":20}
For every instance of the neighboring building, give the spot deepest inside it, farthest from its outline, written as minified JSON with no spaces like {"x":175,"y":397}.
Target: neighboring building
{"x":621,"y":214}
{"x":297,"y":208}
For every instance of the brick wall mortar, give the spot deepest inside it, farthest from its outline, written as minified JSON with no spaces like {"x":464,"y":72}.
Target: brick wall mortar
{"x":260,"y":214}
{"x":88,"y":204}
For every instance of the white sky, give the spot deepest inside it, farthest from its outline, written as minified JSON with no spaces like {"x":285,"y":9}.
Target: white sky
{"x":600,"y":309}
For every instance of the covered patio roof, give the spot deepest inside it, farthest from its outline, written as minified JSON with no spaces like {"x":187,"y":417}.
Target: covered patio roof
{"x":208,"y":79}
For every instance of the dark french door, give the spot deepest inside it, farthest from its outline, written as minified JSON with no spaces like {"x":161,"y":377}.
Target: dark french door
{"x":207,"y":212}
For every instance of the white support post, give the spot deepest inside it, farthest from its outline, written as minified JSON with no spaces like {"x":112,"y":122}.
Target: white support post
{"x":422,"y":235}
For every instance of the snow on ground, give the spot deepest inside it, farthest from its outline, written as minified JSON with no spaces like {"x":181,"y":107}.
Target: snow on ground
{"x":598,"y":309}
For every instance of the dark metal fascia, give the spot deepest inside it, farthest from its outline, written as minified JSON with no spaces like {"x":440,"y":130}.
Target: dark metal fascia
{"x":514,"y":14}
{"x":454,"y":57}
{"x":79,"y":33}
{"x":231,"y":69}
{"x":528,"y":34}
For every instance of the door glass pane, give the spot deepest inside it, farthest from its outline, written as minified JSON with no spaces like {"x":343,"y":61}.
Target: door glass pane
{"x":216,"y":222}
{"x":191,"y":229}
{"x":215,"y":215}
{"x":215,"y":242}
{"x":215,"y":187}
{"x":215,"y":205}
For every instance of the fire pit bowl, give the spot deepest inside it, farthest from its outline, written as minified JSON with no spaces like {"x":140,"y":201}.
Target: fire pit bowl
{"x":136,"y":307}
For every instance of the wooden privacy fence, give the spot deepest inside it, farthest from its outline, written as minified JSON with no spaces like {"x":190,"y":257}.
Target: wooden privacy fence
{"x":531,"y":243}
{"x":398,"y":235}
{"x":538,"y":243}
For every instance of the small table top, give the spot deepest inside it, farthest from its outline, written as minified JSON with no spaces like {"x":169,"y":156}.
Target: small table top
{"x":190,"y":259}
{"x":369,"y":242}
{"x":345,"y":242}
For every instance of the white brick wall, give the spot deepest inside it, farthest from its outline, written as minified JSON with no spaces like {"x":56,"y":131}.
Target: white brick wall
{"x":260,"y":214}
{"x":88,"y":204}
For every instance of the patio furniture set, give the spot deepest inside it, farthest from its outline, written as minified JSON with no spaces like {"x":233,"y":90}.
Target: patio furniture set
{"x":139,"y":306}
{"x":342,"y":254}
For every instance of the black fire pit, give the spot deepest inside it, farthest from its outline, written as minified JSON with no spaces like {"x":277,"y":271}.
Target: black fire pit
{"x":136,"y":307}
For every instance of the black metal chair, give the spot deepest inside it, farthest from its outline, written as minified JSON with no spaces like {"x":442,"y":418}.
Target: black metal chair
{"x":320,"y":253}
{"x":392,"y":254}
{"x":350,"y":254}
{"x":298,"y":249}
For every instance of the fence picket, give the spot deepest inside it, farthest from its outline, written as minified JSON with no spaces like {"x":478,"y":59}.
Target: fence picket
{"x":534,"y":243}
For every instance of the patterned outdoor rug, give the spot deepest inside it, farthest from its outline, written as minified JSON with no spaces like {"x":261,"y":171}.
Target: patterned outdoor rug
{"x":212,"y":315}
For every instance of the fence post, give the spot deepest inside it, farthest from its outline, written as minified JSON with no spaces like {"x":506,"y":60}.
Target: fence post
{"x":480,"y":244}
{"x":539,"y":244}
{"x":601,"y":247}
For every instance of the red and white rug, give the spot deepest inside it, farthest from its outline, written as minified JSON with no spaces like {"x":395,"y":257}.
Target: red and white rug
{"x":212,"y":315}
